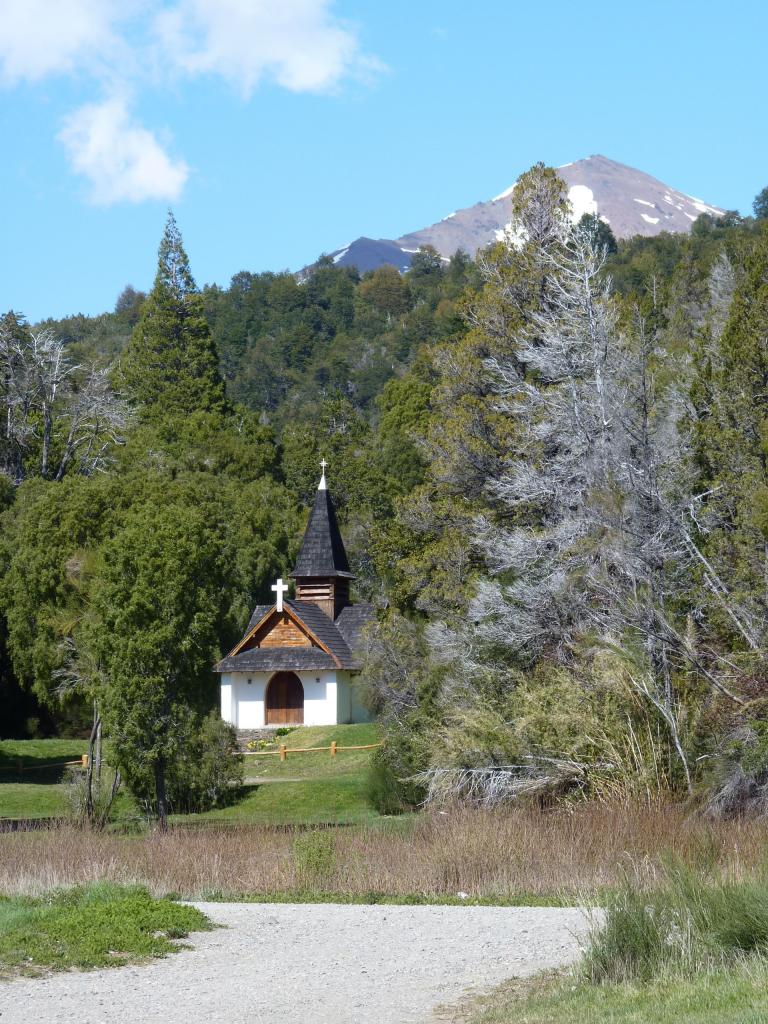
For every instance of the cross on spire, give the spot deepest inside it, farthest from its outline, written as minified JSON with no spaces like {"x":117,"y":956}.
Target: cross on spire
{"x":322,"y":486}
{"x":280,"y":588}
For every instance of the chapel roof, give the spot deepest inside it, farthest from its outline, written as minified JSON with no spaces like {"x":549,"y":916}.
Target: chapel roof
{"x":341,"y":638}
{"x":322,"y":551}
{"x":277,"y":659}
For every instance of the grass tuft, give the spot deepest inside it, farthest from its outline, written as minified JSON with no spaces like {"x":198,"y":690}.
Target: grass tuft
{"x":692,"y":922}
{"x":736,"y":996}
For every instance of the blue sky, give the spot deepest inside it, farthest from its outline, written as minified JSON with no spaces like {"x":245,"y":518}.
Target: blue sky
{"x":279,"y":129}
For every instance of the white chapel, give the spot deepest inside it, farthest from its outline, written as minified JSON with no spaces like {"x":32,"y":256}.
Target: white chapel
{"x":296,"y":660}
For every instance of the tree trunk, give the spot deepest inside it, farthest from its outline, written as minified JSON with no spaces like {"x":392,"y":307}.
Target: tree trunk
{"x":162,"y":799}
{"x":47,"y":435}
{"x":94,"y":743}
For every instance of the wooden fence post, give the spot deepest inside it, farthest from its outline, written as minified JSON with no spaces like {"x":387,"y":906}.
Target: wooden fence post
{"x":84,"y":760}
{"x":282,"y":752}
{"x":333,"y":748}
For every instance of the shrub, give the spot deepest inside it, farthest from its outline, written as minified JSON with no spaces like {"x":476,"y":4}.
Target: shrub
{"x":382,"y":789}
{"x":91,"y":809}
{"x":389,"y":786}
{"x":215,"y":773}
{"x":206,"y":772}
{"x":314,"y":858}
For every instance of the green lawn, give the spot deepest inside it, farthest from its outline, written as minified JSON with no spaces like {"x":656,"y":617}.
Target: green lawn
{"x":94,"y":926}
{"x":31,"y":773}
{"x":304,"y":789}
{"x":739,"y":996}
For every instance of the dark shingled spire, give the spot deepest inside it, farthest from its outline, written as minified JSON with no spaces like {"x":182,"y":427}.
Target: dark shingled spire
{"x":322,"y":550}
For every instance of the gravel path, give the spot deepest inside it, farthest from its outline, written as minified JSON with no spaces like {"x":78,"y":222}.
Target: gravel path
{"x":286,"y":964}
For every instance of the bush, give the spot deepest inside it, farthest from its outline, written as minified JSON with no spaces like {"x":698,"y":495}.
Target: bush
{"x":215,"y":774}
{"x":314,"y":858}
{"x":206,"y":772}
{"x":388,"y":785}
{"x":382,"y":789}
{"x":94,"y":809}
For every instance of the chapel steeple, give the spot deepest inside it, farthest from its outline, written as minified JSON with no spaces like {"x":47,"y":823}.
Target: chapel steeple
{"x":322,"y":569}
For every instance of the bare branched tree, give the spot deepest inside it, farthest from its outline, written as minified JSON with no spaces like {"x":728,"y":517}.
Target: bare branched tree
{"x":57,"y":415}
{"x":592,"y":532}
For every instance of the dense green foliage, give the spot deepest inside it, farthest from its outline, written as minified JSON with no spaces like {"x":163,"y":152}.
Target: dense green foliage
{"x":601,"y":636}
{"x":171,"y":365}
{"x":574,"y":625}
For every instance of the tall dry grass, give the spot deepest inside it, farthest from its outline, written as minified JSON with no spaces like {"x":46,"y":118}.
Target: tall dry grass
{"x":563,"y":852}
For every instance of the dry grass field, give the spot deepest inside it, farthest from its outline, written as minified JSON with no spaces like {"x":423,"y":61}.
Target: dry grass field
{"x":562,"y":855}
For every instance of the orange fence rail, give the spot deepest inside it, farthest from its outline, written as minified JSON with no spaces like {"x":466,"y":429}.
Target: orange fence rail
{"x":21,"y":767}
{"x":282,"y":752}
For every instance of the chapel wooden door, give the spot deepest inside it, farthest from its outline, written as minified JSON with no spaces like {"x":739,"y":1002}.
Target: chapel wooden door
{"x":285,"y":700}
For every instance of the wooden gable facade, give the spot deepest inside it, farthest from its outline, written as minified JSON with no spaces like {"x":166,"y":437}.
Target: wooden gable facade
{"x":281,"y":629}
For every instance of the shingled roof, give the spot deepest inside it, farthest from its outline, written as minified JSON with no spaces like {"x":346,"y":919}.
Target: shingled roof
{"x":351,"y":621}
{"x":277,"y":659}
{"x":322,"y":551}
{"x":340,"y":637}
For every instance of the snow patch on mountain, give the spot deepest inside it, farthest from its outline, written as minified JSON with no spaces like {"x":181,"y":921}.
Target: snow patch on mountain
{"x":582,"y":200}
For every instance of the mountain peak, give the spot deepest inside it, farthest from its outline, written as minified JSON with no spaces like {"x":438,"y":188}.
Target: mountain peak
{"x":631,"y":201}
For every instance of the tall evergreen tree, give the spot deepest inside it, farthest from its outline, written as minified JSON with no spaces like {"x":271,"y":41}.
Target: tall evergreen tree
{"x":171,"y":364}
{"x":158,"y":605}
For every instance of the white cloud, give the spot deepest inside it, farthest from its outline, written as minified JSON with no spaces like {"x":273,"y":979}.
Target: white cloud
{"x":122,"y":46}
{"x":40,"y":37}
{"x":122,"y":160}
{"x":297,"y":43}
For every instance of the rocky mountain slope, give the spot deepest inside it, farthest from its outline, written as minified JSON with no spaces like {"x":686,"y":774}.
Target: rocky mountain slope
{"x":632,"y":202}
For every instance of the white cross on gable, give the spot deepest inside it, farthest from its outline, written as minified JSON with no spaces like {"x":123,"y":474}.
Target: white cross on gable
{"x":322,"y":485}
{"x":280,"y":588}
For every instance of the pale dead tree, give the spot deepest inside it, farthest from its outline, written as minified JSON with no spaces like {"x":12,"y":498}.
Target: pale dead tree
{"x":587,"y":534}
{"x":96,"y":424}
{"x":560,"y":459}
{"x":596,"y":523}
{"x":722,"y":284}
{"x":57,"y":415}
{"x":393,"y":657}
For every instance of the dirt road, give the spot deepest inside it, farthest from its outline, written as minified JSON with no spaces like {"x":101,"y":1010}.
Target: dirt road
{"x":286,"y":964}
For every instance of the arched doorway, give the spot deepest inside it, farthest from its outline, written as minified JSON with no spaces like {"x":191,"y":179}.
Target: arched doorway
{"x":285,"y":700}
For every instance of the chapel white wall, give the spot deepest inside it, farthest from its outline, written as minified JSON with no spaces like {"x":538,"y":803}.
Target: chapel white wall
{"x":329,"y":698}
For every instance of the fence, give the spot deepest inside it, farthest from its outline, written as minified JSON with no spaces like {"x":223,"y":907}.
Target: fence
{"x":20,"y":767}
{"x":282,"y":752}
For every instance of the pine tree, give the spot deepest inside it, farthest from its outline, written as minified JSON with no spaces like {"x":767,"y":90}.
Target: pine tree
{"x":171,"y":363}
{"x":157,"y":606}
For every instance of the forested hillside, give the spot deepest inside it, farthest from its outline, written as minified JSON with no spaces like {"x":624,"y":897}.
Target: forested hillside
{"x":549,"y":463}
